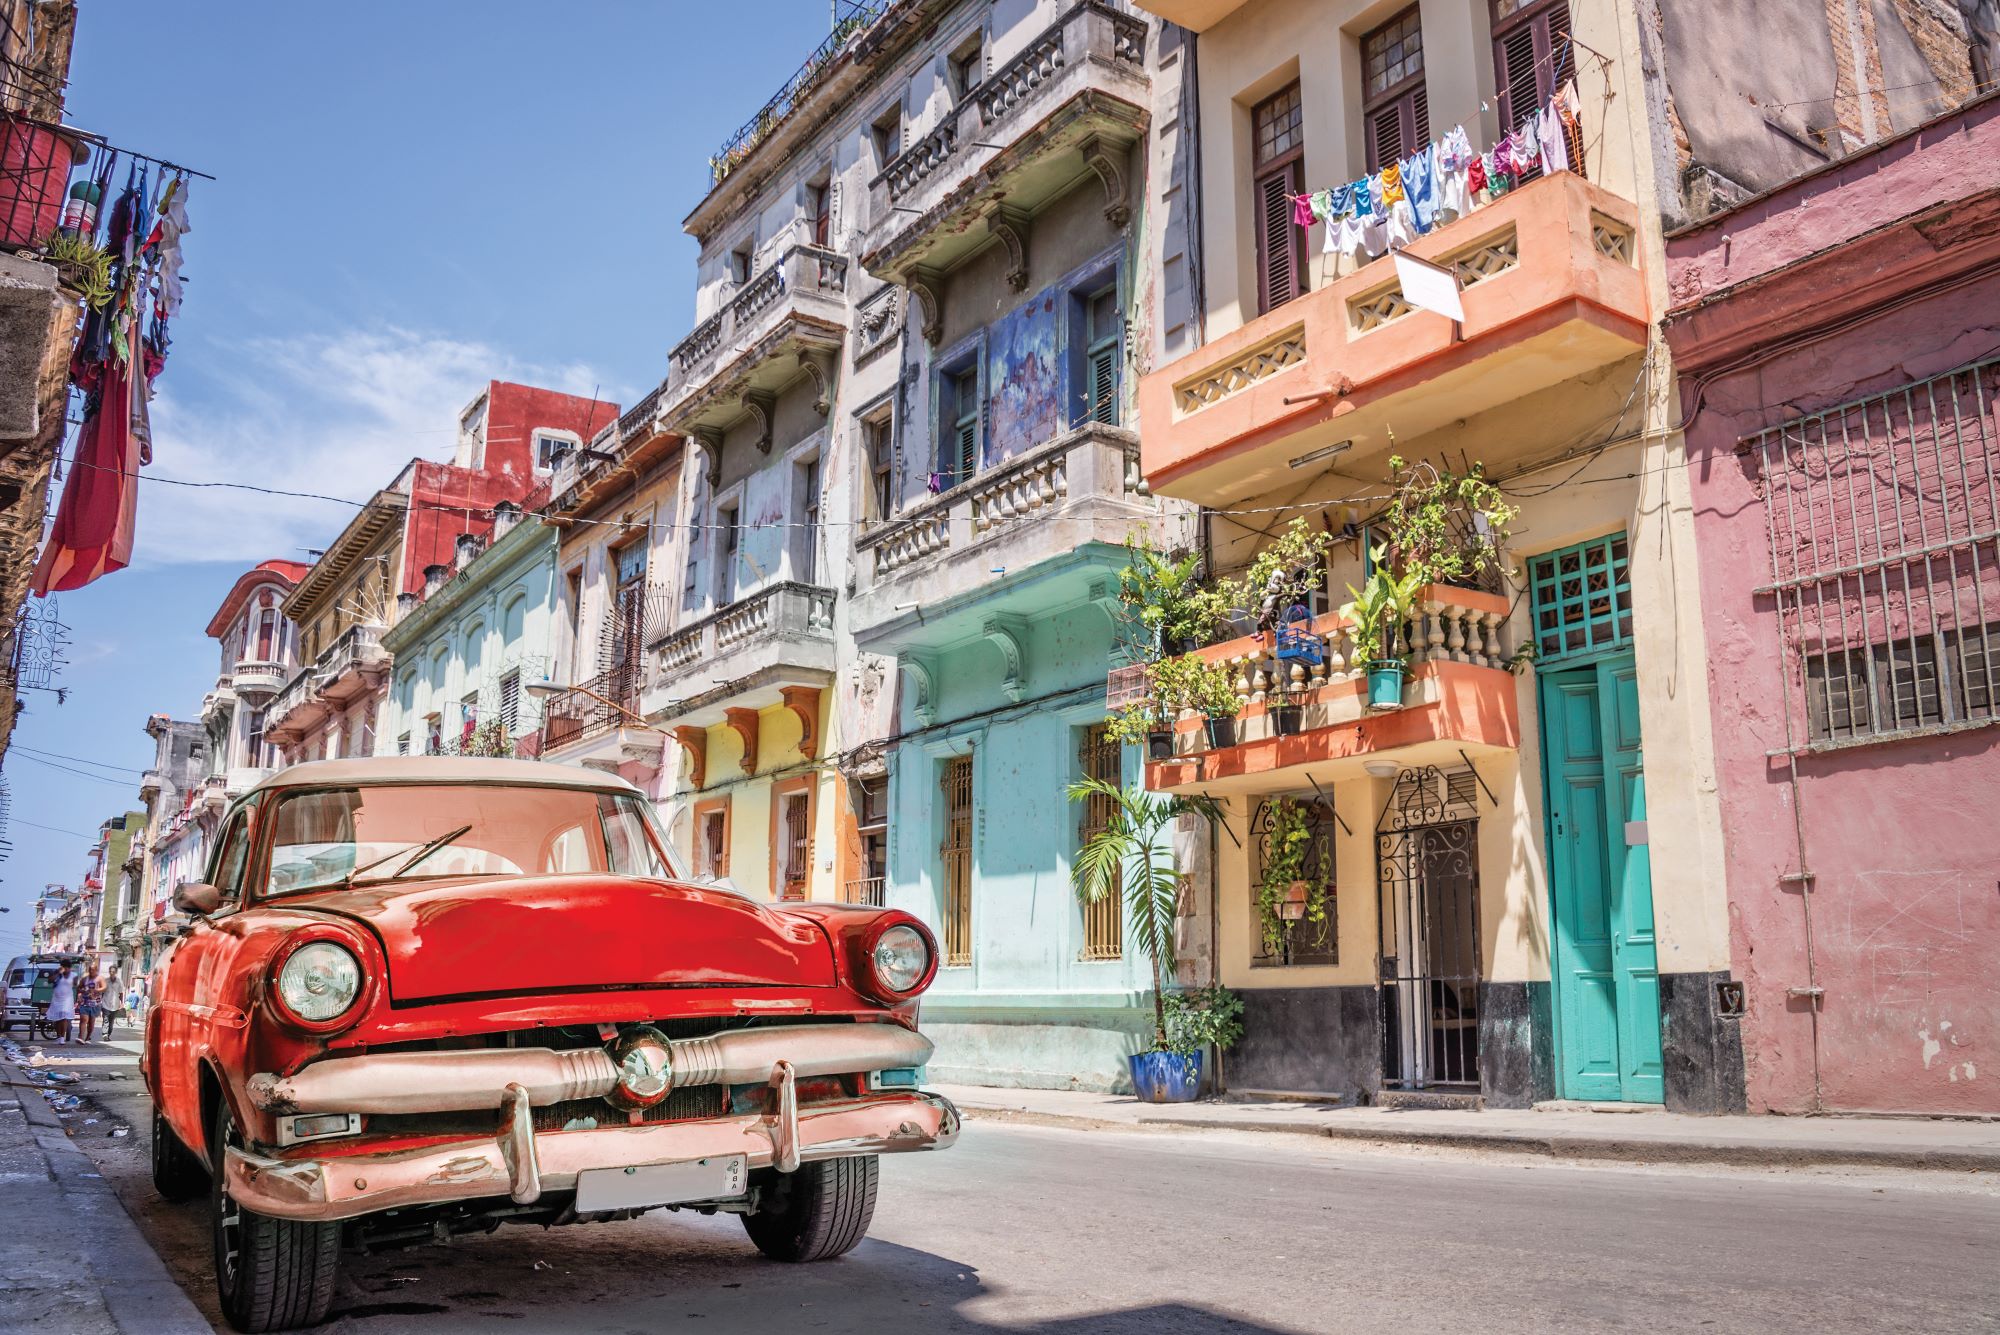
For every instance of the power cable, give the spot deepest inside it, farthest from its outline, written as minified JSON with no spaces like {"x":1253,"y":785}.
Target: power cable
{"x":80,"y":773}
{"x":81,"y":760}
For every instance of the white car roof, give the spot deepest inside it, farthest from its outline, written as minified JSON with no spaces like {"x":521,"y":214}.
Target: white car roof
{"x":441,"y":769}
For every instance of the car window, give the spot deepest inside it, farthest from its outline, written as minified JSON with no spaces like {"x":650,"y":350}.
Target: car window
{"x":368,"y":834}
{"x":234,"y":852}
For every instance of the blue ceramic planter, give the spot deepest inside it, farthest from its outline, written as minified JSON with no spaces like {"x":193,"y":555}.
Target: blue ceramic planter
{"x":1385,"y":685}
{"x":1166,"y":1077}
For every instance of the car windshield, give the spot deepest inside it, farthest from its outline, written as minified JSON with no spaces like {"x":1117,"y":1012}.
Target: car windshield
{"x":369,"y":834}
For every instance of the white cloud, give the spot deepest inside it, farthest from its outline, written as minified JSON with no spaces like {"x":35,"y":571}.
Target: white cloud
{"x":336,"y":414}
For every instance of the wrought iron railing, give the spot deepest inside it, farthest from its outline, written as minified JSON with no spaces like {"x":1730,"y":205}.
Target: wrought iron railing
{"x":590,"y":709}
{"x":854,"y":18}
{"x":869,"y":890}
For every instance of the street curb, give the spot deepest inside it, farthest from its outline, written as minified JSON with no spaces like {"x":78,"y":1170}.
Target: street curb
{"x":1618,"y":1149}
{"x":132,"y":1281}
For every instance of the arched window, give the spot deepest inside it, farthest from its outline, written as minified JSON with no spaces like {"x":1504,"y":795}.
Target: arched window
{"x":267,"y":628}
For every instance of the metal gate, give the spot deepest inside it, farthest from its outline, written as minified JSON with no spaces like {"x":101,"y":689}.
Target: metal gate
{"x":1427,"y":872}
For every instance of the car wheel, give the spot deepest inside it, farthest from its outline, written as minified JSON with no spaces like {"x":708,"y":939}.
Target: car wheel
{"x":270,"y":1274}
{"x":178,"y":1173}
{"x":819,"y":1212}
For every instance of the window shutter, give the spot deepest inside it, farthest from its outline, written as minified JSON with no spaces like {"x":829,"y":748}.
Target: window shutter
{"x":1278,"y":269}
{"x":968,"y":449}
{"x":1385,"y":136}
{"x":1104,"y":385}
{"x":1420,"y":120}
{"x":1519,"y":88}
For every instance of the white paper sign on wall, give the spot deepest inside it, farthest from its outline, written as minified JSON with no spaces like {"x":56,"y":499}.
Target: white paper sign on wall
{"x":1430,"y":286}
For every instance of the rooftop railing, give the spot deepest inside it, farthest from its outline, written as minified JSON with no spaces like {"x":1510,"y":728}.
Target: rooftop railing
{"x":854,"y":18}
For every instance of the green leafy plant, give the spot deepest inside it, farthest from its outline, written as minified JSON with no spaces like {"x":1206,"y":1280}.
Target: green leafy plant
{"x":1288,"y":570}
{"x":488,"y":739}
{"x":1202,"y":1017}
{"x":1166,"y":598}
{"x":1446,"y":527}
{"x":1130,"y":723}
{"x":1381,"y":607}
{"x":1191,"y":682}
{"x":85,"y":267}
{"x":1133,"y":855}
{"x":1289,"y":856}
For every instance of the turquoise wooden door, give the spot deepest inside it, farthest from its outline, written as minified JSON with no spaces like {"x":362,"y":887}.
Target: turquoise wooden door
{"x":1606,"y":961}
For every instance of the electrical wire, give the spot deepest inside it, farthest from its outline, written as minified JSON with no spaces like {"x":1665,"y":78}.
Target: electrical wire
{"x":84,"y":774}
{"x":81,"y":760}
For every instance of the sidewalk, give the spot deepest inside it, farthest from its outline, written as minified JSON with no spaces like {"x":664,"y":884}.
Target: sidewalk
{"x":1638,"y":1137}
{"x":72,"y":1259}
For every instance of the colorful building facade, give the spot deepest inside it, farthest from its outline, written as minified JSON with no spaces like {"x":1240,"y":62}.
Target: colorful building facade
{"x":1833,"y":339}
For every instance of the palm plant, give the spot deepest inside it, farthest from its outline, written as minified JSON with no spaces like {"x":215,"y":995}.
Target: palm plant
{"x":1127,"y":853}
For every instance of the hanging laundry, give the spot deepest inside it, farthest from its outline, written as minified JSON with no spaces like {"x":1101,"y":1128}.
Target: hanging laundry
{"x":1526,"y":146}
{"x":1455,"y":158}
{"x":1420,"y":184}
{"x":1390,"y":179}
{"x":1402,"y":228}
{"x":1475,"y":174}
{"x":1302,"y":214}
{"x":93,"y":530}
{"x":1554,"y":143}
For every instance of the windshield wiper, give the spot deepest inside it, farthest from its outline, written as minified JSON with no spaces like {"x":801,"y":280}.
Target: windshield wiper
{"x":422,"y":853}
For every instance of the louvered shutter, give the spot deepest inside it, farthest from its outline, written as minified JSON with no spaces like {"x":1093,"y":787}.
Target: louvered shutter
{"x":1533,"y":58}
{"x":1104,"y":385}
{"x":1420,"y":120}
{"x":967,"y":457}
{"x":1280,"y":270}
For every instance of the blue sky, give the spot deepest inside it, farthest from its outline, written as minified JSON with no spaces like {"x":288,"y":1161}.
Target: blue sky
{"x":411,"y":199}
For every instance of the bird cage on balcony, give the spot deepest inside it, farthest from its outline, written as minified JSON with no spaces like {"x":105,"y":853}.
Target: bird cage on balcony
{"x":1296,"y":640}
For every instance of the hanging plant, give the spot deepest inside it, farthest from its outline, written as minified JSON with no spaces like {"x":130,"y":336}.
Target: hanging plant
{"x":1295,"y":872}
{"x":1446,"y":527}
{"x":1168,"y":605}
{"x":83,"y":266}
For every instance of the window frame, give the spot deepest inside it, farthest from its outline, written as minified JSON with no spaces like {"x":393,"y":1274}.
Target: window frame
{"x":878,"y":456}
{"x":957,"y":861}
{"x":1537,"y":16}
{"x":954,"y":373}
{"x":1286,"y":168}
{"x":965,"y":66}
{"x":1409,"y":94}
{"x":1100,"y":926}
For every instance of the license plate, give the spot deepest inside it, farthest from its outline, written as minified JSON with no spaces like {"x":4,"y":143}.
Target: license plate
{"x":646,"y":1185}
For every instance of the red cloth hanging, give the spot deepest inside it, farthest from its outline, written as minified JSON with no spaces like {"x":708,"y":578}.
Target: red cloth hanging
{"x":93,"y":532}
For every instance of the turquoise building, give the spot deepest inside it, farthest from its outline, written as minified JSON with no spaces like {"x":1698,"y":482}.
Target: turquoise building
{"x":467,"y":647}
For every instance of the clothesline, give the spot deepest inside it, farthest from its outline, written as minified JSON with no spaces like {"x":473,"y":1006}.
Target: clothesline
{"x":1389,"y":208}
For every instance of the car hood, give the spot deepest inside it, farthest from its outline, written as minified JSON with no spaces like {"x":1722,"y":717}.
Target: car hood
{"x":515,"y":936}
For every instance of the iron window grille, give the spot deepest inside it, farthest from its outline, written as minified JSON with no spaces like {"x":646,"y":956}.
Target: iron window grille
{"x":1582,"y":598}
{"x":797,"y":820}
{"x":1301,"y":943}
{"x":871,"y":809}
{"x":956,"y":854}
{"x":1101,"y":757}
{"x":1883,"y":520}
{"x":1427,"y":875}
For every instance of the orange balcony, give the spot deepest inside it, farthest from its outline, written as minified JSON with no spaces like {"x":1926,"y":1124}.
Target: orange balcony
{"x":1551,"y":289}
{"x":1459,"y":697}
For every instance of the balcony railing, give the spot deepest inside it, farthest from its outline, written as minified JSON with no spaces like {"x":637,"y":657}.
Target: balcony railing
{"x":853,"y":19}
{"x":808,"y":280}
{"x":1090,"y":462}
{"x":869,"y":890}
{"x":299,"y":697}
{"x":1080,"y":86}
{"x":356,"y":654}
{"x":593,"y":708}
{"x":782,"y":612}
{"x":1551,"y":291}
{"x":254,"y":677}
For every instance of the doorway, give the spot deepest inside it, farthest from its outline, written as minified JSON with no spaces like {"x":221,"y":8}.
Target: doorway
{"x":1427,"y":871}
{"x":1605,"y":958}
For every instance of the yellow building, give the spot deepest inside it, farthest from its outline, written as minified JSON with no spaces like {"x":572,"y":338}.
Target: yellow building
{"x":1516,"y":906}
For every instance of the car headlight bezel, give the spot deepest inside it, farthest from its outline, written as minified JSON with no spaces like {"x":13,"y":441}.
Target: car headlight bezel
{"x":908,"y":941}
{"x":315,"y":967}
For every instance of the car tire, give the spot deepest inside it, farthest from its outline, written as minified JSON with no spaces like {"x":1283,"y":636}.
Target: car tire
{"x":817,"y":1213}
{"x":270,"y":1274}
{"x":178,"y":1172}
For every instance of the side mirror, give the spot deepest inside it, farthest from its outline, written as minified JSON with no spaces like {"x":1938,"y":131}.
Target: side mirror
{"x":197,"y":899}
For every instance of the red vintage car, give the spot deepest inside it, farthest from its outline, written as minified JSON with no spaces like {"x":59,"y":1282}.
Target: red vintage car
{"x":423,"y":996}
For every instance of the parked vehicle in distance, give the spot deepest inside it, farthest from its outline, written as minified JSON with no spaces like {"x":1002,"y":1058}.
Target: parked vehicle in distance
{"x":22,"y":1010}
{"x":424,"y":996}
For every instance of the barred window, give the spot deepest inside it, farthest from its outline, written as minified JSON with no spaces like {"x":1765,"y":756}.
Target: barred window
{"x":1885,"y":559}
{"x":956,"y":854}
{"x":1100,"y":757}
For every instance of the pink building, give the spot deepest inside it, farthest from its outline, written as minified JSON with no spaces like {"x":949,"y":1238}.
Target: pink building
{"x":1839,"y":361}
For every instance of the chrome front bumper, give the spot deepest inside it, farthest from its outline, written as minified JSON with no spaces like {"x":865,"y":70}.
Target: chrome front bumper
{"x":521,"y":1164}
{"x":470,"y":1079}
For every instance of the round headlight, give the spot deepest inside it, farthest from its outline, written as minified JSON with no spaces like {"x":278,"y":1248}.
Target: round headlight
{"x":319,"y":982}
{"x":901,"y":957}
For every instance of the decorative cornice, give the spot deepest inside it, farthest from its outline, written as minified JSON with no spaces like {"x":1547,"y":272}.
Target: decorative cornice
{"x":804,"y":702}
{"x":1008,"y":632}
{"x":743,"y":722}
{"x":1012,"y":226}
{"x":921,"y":670}
{"x":694,"y":741}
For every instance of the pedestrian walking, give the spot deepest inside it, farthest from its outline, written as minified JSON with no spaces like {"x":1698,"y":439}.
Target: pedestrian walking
{"x":114,"y":1006}
{"x":89,"y":1005}
{"x":62,"y":1003}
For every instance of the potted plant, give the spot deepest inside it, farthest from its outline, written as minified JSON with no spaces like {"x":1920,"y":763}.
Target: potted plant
{"x":1142,"y":721}
{"x":1131,"y":854}
{"x":1169,"y":605}
{"x":1380,"y":610}
{"x":1189,"y":682}
{"x":1197,"y":1019}
{"x":1449,"y":527}
{"x":1285,"y":711}
{"x":1292,"y":888}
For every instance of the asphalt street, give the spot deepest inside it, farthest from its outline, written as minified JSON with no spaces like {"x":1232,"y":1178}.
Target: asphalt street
{"x":1061,"y":1231}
